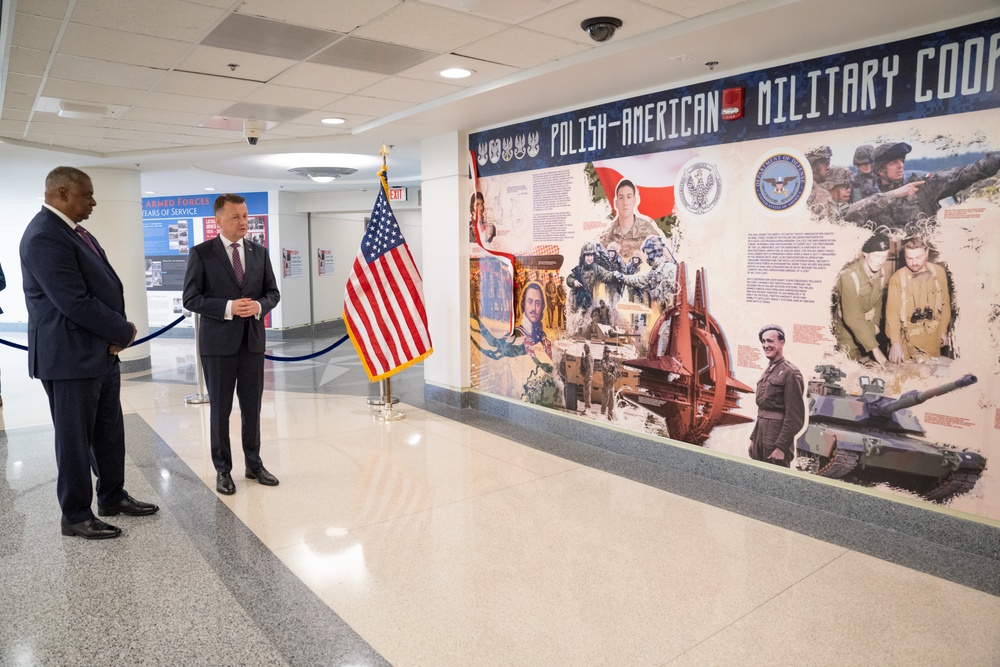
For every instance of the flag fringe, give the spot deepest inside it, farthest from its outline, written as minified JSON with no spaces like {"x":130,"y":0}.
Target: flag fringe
{"x":364,"y":364}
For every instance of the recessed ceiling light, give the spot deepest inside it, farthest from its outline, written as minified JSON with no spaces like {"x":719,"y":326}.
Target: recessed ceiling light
{"x":209,"y":189}
{"x":333,"y":121}
{"x":456,"y":73}
{"x":150,"y":192}
{"x":322,"y":174}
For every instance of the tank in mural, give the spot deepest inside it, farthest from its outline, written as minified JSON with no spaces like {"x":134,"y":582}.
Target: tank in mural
{"x":873,"y":436}
{"x":687,"y":376}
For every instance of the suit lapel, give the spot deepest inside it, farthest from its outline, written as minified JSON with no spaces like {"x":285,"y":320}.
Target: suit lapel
{"x":101,"y":259}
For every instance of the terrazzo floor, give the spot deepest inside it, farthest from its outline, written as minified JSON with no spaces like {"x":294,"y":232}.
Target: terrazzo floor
{"x":449,"y":538}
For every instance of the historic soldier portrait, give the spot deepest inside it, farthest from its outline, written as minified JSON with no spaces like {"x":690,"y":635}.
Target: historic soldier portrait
{"x":917,"y":306}
{"x":781,"y":411}
{"x":860,"y":295}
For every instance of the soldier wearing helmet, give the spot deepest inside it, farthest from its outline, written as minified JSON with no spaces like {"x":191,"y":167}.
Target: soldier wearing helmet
{"x":585,"y":276}
{"x":905,"y":197}
{"x":819,"y":160}
{"x":829,"y":200}
{"x":659,"y":283}
{"x":864,"y":184}
{"x":629,"y":227}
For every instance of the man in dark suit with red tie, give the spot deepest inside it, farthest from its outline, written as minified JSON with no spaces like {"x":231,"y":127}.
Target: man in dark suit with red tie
{"x":76,"y":328}
{"x":231,"y":284}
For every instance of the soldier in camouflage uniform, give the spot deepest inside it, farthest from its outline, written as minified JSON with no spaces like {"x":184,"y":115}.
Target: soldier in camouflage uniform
{"x":659,"y":284}
{"x":830,"y":200}
{"x":865,"y":182}
{"x":917,"y":306}
{"x":819,"y":160}
{"x":629,"y":228}
{"x":781,"y":410}
{"x":587,"y":371}
{"x":584,"y":278}
{"x":609,"y":375}
{"x":907,"y":197}
{"x":861,"y":290}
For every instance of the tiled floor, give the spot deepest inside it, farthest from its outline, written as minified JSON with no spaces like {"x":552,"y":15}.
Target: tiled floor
{"x":447,"y":538}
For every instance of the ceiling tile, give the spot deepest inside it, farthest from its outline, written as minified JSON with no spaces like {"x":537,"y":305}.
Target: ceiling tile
{"x":121,"y":47}
{"x":219,"y":87}
{"x":483,"y":71}
{"x":89,"y":70}
{"x":34,"y":32}
{"x":365,"y":106}
{"x":312,"y":131}
{"x":371,"y":56}
{"x":53,"y":9}
{"x":250,"y":66}
{"x":28,"y":61}
{"x":200,"y":105}
{"x":327,"y":77}
{"x":169,"y":19}
{"x":49,"y":123}
{"x":162,"y":117}
{"x":18,"y":101}
{"x":691,"y":8}
{"x":637,"y":18}
{"x":509,"y":11}
{"x":18,"y":114}
{"x":12,"y":128}
{"x":313,"y":118}
{"x":409,"y":90}
{"x":22,"y":83}
{"x":270,"y":112}
{"x":269,"y":38}
{"x":337,"y":15}
{"x":427,"y":27}
{"x":286,"y":95}
{"x":89,"y":92}
{"x":519,"y":47}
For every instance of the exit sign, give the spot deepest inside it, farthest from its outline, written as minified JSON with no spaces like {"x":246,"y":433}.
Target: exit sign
{"x":397,"y":194}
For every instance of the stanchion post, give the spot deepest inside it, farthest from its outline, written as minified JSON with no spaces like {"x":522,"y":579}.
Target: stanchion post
{"x":386,"y":413}
{"x":201,"y":397}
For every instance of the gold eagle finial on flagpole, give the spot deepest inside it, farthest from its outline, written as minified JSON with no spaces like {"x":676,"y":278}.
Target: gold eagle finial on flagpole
{"x":383,"y":172}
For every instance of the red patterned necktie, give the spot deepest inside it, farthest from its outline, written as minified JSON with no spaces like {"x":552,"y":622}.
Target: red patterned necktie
{"x":86,"y":237}
{"x":237,"y":264}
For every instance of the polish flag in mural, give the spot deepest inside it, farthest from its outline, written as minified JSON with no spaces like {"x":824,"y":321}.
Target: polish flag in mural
{"x":653,"y":175}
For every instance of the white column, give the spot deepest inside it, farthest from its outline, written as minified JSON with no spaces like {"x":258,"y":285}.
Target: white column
{"x":117,"y":224}
{"x":445,"y":223}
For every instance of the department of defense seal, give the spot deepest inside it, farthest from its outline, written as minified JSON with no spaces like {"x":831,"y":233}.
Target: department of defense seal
{"x":780,"y":182}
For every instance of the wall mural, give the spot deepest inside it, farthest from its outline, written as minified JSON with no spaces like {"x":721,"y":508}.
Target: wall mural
{"x":798,"y":265}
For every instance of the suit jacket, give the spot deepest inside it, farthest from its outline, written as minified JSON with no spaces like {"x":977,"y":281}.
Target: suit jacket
{"x":76,"y":304}
{"x":210,"y":284}
{"x":3,"y":284}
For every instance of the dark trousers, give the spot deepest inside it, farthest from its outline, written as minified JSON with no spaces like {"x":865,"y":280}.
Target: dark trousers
{"x":89,"y":434}
{"x":244,"y":373}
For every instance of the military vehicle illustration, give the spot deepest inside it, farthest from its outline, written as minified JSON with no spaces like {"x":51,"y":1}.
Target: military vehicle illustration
{"x":574,"y":379}
{"x":691,"y":385}
{"x":876,"y":436}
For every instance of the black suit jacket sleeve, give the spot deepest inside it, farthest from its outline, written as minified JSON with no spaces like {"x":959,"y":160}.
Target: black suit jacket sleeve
{"x":210,"y":284}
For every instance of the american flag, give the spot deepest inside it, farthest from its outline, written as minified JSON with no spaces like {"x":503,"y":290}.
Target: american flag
{"x":383,"y":300}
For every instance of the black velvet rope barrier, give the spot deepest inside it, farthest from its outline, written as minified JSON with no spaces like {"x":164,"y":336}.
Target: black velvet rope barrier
{"x":307,"y":356}
{"x":181,"y":319}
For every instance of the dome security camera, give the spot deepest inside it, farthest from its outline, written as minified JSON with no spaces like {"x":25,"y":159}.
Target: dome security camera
{"x":601,"y":28}
{"x":252,"y":129}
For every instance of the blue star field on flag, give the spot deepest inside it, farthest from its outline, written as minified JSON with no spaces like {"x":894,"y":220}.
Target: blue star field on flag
{"x":383,"y":233}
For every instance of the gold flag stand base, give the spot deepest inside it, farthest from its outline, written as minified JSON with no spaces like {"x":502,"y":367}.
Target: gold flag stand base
{"x":386,"y":413}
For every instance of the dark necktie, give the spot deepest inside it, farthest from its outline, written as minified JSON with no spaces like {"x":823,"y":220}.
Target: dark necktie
{"x":86,"y":237}
{"x":238,"y":264}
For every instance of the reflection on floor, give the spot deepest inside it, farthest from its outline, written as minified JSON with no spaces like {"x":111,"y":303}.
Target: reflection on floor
{"x":447,"y":538}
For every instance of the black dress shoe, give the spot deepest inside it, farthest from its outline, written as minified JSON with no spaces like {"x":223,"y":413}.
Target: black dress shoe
{"x":262,"y":475}
{"x":91,"y":529}
{"x":224,"y":484}
{"x":128,"y":505}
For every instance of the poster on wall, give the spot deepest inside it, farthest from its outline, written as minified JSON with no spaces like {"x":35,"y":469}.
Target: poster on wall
{"x":291,"y":262}
{"x":813,"y":283}
{"x":171,"y":226}
{"x":324,"y":262}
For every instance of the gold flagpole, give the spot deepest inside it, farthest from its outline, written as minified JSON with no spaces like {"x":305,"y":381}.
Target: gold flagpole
{"x":386,"y":412}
